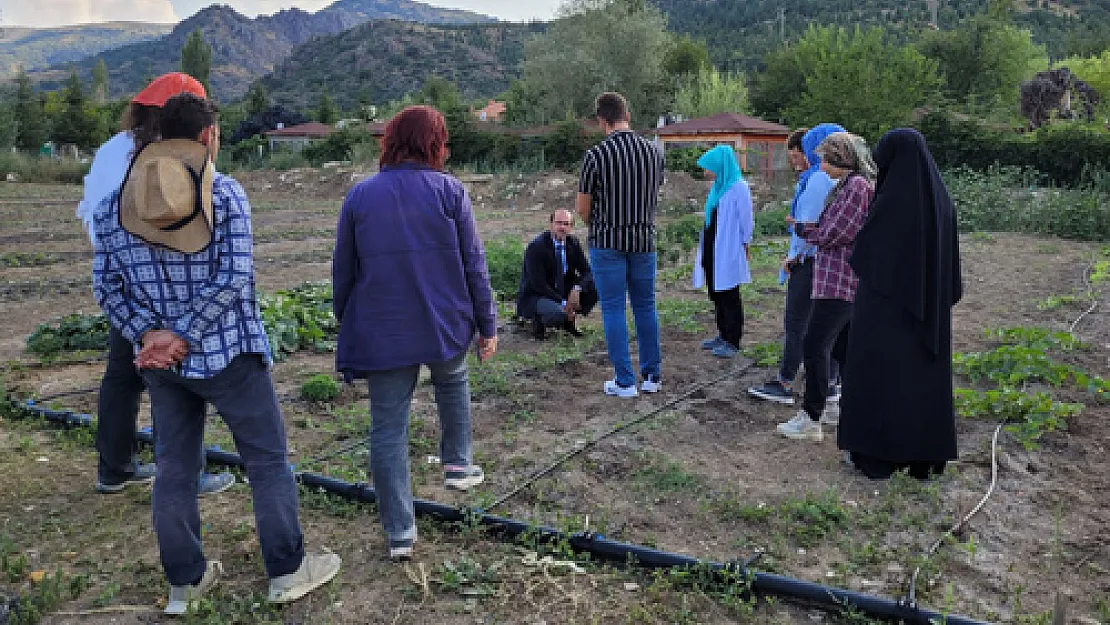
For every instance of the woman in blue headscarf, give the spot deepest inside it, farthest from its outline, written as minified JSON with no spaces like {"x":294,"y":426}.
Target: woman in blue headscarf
{"x":722,"y":260}
{"x":809,"y":202}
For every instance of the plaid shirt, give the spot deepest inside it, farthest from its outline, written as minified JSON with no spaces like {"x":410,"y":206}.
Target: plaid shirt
{"x":207,"y":298}
{"x":835,"y":235}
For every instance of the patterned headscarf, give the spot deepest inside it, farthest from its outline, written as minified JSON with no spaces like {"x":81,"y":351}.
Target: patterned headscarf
{"x":848,"y":151}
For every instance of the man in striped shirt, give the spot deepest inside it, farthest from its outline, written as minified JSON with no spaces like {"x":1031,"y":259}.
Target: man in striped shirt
{"x":618,"y":190}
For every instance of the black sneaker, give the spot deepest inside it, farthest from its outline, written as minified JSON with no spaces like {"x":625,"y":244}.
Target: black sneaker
{"x":144,"y":474}
{"x":538,"y":331}
{"x":571,"y":329}
{"x":774,"y":391}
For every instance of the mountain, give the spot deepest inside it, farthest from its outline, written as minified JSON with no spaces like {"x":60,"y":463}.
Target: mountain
{"x":739,"y":32}
{"x":39,"y":48}
{"x":384,"y":60}
{"x":243,"y":49}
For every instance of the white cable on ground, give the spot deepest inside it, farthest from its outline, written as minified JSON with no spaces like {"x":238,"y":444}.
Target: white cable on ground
{"x":911,"y":596}
{"x":1094,"y":296}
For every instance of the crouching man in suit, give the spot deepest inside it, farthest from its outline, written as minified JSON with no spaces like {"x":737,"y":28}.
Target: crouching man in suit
{"x":556,"y":284}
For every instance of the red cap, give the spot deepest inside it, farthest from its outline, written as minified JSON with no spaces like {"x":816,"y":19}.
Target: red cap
{"x":167,"y":86}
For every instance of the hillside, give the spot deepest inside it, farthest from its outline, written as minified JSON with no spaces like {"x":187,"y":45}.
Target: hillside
{"x":39,"y":48}
{"x":243,"y":49}
{"x":388,"y":59}
{"x":740,"y":32}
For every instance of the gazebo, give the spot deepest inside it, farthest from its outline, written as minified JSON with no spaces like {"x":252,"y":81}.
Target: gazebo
{"x":760,"y":144}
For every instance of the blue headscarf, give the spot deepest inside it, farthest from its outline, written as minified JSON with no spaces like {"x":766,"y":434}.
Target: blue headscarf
{"x":721,"y":160}
{"x":810,"y":141}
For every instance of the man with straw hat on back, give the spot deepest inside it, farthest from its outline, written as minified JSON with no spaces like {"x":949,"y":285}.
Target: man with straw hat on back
{"x":174,"y":271}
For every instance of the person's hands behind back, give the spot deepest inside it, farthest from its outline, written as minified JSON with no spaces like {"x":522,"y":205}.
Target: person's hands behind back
{"x":487,"y":347}
{"x":161,"y":349}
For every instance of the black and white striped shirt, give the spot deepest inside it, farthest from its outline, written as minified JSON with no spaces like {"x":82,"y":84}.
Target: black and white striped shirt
{"x":623,"y":174}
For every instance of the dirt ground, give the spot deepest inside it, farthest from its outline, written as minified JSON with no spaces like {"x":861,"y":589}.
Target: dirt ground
{"x":706,"y":476}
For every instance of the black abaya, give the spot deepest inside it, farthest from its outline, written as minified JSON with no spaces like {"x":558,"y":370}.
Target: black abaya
{"x":896,"y":405}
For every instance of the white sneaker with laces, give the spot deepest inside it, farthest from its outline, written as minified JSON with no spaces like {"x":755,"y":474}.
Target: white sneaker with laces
{"x":831,"y":416}
{"x":801,"y":427}
{"x":184,"y":597}
{"x":616,"y":390}
{"x":315,"y":571}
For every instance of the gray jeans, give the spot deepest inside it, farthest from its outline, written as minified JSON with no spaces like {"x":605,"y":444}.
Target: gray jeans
{"x":244,"y":395}
{"x":390,"y":399}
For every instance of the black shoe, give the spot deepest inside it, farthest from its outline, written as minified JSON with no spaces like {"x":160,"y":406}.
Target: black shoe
{"x":569,"y":326}
{"x":538,"y":331}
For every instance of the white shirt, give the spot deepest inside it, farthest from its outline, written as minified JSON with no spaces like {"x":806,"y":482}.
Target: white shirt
{"x":109,"y":167}
{"x":734,"y":231}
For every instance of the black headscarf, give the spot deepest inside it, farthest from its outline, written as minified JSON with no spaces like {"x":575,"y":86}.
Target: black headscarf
{"x":908,"y":249}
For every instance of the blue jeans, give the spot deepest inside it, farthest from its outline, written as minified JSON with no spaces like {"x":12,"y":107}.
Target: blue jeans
{"x":244,"y":395}
{"x":390,"y":399}
{"x":616,"y":274}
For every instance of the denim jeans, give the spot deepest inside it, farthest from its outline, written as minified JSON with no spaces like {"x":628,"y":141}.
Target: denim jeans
{"x":551,"y":313}
{"x":390,"y":399}
{"x":118,"y":411}
{"x":243,"y":393}
{"x":616,"y":274}
{"x":799,"y":308}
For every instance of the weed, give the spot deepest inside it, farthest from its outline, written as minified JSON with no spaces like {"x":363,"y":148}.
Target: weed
{"x":683,"y":314}
{"x":1100,"y":272}
{"x":1036,"y":338}
{"x":320,"y":388}
{"x":1103,"y":608}
{"x":45,"y":596}
{"x":764,"y":354}
{"x":224,"y":607}
{"x":505,"y":260}
{"x":107,"y":595}
{"x":467,"y":577}
{"x":668,"y":477}
{"x":813,"y":517}
{"x":1053,"y":302}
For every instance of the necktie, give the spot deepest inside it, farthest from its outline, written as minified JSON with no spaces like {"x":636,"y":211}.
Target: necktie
{"x":560,"y":275}
{"x":561,"y":250}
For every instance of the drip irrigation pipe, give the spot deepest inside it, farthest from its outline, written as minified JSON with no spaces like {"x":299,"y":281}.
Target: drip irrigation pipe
{"x":623,"y":426}
{"x":597,"y":545}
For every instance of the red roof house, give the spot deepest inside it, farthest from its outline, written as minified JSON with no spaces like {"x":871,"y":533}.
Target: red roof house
{"x":761,"y":144}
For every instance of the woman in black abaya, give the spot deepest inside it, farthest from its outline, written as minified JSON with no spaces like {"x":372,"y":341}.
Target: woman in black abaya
{"x":896,"y":405}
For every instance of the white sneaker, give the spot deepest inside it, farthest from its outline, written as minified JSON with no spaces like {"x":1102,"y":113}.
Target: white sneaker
{"x":801,"y":427}
{"x":612,"y":388}
{"x":831,"y":416}
{"x":315,"y":571}
{"x":184,"y":597}
{"x":651,"y":384}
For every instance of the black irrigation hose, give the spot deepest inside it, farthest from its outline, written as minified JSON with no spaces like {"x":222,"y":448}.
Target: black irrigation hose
{"x":824,"y":597}
{"x":623,"y":426}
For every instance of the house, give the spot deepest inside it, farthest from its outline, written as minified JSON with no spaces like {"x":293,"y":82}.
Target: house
{"x":491,"y":112}
{"x":299,"y":136}
{"x":760,"y":144}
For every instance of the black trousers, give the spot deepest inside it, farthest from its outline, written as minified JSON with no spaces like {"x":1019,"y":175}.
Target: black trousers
{"x":727,"y":306}
{"x":826,"y":336}
{"x":118,"y":411}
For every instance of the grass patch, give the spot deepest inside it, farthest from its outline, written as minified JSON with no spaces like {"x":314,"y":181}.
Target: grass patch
{"x":684,"y":314}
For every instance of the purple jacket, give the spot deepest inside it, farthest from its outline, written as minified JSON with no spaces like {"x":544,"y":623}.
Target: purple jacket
{"x":409,"y":272}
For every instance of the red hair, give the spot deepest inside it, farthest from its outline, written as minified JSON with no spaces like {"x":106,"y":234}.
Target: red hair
{"x":416,"y":134}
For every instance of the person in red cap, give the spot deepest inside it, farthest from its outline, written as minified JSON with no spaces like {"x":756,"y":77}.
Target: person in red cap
{"x":121,"y":386}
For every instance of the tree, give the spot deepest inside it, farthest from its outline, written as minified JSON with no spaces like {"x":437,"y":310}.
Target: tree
{"x":710,"y":92}
{"x":74,"y":124}
{"x":1095,"y":71}
{"x":986,"y":58}
{"x":326,"y":113}
{"x":257,"y":100}
{"x":781,"y":84}
{"x":30,"y":119}
{"x":100,"y":82}
{"x":686,"y":57}
{"x":196,"y":58}
{"x":599,"y":45}
{"x":441,"y":94}
{"x":861,"y":80}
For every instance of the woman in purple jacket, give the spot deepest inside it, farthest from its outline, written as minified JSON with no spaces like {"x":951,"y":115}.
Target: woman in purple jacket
{"x":411,"y":288}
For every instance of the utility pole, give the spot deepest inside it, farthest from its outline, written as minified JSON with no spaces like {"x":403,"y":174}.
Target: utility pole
{"x":934,"y":6}
{"x":782,"y":23}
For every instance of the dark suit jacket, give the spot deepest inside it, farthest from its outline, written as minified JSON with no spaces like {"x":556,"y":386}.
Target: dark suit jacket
{"x":537,"y":279}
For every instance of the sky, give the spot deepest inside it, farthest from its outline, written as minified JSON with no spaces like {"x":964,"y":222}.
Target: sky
{"x":44,"y":13}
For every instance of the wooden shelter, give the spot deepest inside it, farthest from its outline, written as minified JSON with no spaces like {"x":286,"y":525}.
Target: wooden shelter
{"x":760,"y":144}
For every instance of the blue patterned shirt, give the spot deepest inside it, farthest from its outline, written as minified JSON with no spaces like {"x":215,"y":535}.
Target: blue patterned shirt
{"x":207,"y":298}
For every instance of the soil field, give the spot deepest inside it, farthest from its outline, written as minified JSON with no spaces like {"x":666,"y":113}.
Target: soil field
{"x":707,"y":476}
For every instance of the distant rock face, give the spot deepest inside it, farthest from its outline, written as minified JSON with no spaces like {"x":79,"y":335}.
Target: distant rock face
{"x":243,"y":49}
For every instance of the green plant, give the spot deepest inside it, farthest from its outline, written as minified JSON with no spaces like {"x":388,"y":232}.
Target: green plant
{"x":320,"y":388}
{"x":300,"y":318}
{"x":676,"y":239}
{"x":1052,"y":302}
{"x":505,"y":260}
{"x":76,"y":332}
{"x":764,"y":354}
{"x":668,"y":477}
{"x":1036,"y":338}
{"x":814,"y":517}
{"x":1033,"y":414}
{"x":683,"y":313}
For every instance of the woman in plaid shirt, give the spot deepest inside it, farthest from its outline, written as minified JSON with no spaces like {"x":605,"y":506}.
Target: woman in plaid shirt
{"x":845,"y":157}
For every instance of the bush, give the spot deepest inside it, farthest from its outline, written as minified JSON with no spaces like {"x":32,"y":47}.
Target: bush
{"x":72,"y":333}
{"x":678,"y":238}
{"x":1009,"y":199}
{"x":685,"y":159}
{"x":37,"y":169}
{"x":505,"y":260}
{"x":770,"y":223}
{"x":341,"y":145}
{"x":320,"y":388}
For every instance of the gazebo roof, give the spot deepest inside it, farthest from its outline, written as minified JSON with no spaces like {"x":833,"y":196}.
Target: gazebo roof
{"x":734,"y":123}
{"x":313,"y":130}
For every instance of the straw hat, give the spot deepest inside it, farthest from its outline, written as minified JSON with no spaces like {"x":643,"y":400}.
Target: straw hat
{"x":167,"y":196}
